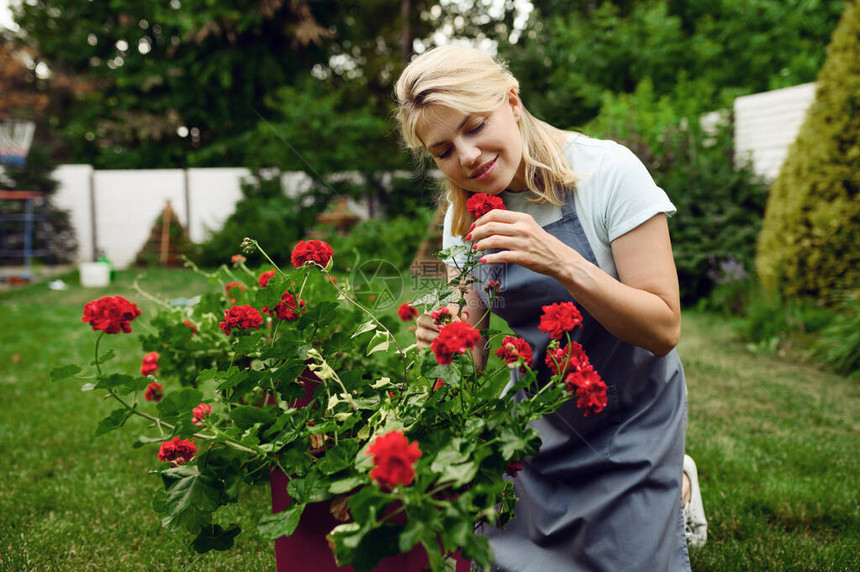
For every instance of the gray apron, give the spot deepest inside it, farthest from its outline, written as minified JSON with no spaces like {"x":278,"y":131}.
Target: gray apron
{"x":604,"y":492}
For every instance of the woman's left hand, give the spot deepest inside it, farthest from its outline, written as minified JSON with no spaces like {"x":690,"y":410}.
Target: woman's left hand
{"x":522,"y":240}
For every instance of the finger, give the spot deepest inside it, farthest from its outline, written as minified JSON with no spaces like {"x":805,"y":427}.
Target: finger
{"x":491,"y":228}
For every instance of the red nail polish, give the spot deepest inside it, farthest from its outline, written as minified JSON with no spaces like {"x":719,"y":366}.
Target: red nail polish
{"x":482,"y":260}
{"x":472,"y":227}
{"x":469,"y":236}
{"x":475,"y":247}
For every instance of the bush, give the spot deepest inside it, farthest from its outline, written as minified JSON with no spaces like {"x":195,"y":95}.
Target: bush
{"x":808,"y":246}
{"x":266,"y":214}
{"x":720,"y":205}
{"x":394,"y":240}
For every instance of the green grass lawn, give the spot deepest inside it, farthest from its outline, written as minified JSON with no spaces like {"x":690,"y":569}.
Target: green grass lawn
{"x":776,"y":444}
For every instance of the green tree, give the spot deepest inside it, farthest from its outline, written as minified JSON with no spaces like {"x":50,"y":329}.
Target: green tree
{"x":808,"y":246}
{"x":574,"y":52}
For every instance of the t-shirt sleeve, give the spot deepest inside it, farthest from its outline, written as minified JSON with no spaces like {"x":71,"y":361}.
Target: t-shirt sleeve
{"x":632,"y":195}
{"x":449,"y":240}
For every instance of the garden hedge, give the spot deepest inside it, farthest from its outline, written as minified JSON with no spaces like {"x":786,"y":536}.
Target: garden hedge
{"x":809,"y":245}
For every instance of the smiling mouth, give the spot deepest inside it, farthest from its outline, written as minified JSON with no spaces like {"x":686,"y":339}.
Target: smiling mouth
{"x":483,"y":169}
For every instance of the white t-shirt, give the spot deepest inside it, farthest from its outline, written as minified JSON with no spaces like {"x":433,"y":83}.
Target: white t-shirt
{"x":614,"y":195}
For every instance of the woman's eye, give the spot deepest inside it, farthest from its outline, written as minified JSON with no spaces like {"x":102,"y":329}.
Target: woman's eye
{"x":476,"y":128}
{"x":445,"y":154}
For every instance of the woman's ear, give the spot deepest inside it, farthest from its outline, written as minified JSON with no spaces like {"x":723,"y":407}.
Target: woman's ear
{"x":516,"y":104}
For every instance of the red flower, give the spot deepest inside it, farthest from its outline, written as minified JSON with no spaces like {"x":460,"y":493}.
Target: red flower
{"x":150,"y":363}
{"x":154,"y":392}
{"x":200,"y":413}
{"x":493,"y":287}
{"x":406,"y":312}
{"x":229,"y":287}
{"x":567,"y":360}
{"x":237,"y":259}
{"x":442,"y":316}
{"x":455,"y":338}
{"x":316,"y":251}
{"x":286,"y":308}
{"x":589,"y":388}
{"x":110,"y":314}
{"x":559,"y":318}
{"x":264,"y":278}
{"x":515,"y":348}
{"x":190,"y":325}
{"x":241,"y":317}
{"x":439,"y":384}
{"x":393,"y":458}
{"x":177,"y":451}
{"x":513,"y":468}
{"x":480,"y":204}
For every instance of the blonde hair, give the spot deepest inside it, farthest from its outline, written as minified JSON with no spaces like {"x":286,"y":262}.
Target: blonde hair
{"x":470,"y":81}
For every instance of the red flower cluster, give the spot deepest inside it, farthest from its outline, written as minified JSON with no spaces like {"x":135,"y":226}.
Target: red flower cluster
{"x":515,"y":348}
{"x":589,"y":388}
{"x":154,"y":392}
{"x":316,"y":251}
{"x":230,"y":287}
{"x":480,"y":204}
{"x":559,"y":318}
{"x":177,"y":451}
{"x":455,"y":338}
{"x":513,"y":468}
{"x":110,"y":314}
{"x":442,"y":316}
{"x":568,"y":359}
{"x":150,"y":363}
{"x":237,"y":259}
{"x":264,"y":278}
{"x":200,"y":413}
{"x":493,"y":287}
{"x":393,"y":458}
{"x":241,"y":317}
{"x":286,"y":308}
{"x":406,"y":312}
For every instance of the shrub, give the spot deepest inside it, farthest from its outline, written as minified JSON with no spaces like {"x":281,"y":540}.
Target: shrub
{"x":808,"y":246}
{"x":720,"y":205}
{"x":265,"y":212}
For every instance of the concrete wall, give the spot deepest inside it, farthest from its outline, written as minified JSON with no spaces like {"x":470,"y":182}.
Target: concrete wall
{"x":767,"y":123}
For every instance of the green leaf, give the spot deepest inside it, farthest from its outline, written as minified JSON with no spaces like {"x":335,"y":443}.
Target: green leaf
{"x":191,"y":498}
{"x":379,"y":343}
{"x":178,"y":404}
{"x":114,"y":380}
{"x":364,"y":328}
{"x":105,"y":357}
{"x":115,"y":420}
{"x":214,"y":537}
{"x":338,"y":457}
{"x":247,"y":344}
{"x":512,"y":444}
{"x":284,"y":523}
{"x":345,"y":485}
{"x":247,"y":416}
{"x":65,"y":371}
{"x":311,"y":488}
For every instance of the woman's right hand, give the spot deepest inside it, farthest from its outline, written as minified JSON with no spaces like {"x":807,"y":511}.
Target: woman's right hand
{"x":425,"y":330}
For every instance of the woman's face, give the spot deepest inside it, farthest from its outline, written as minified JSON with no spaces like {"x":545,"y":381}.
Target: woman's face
{"x":480,"y":152}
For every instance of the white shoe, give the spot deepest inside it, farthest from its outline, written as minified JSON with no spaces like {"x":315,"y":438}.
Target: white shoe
{"x":695,"y":523}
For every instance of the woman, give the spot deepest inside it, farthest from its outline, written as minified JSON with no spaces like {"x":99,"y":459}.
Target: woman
{"x":584,"y":223}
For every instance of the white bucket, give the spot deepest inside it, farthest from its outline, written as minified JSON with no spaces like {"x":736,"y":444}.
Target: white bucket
{"x":94,"y":274}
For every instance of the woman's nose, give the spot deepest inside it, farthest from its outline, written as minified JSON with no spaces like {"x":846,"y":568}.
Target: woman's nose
{"x":469,"y":155}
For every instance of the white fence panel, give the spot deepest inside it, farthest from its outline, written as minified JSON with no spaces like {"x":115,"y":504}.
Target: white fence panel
{"x":212,"y":197}
{"x":73,"y":194}
{"x":767,"y":123}
{"x":127,"y":204}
